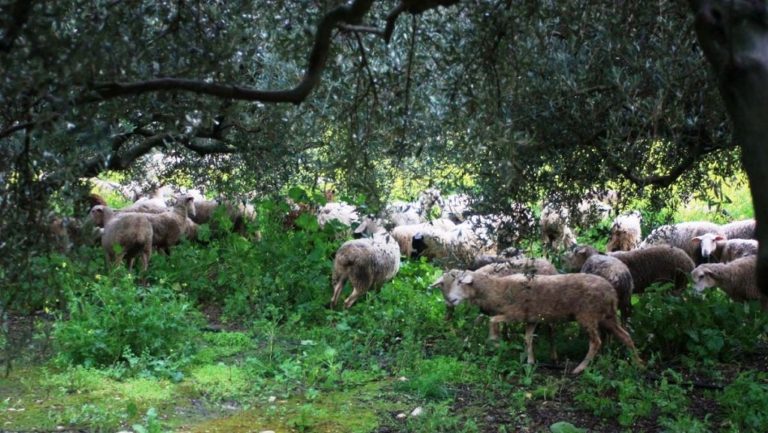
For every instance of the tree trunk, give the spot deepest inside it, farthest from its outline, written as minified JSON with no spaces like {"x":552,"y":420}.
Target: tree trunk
{"x":734,"y":37}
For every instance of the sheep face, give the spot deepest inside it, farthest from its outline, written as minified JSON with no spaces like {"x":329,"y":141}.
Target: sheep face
{"x":707,"y":243}
{"x":456,"y":286}
{"x":703,"y":278}
{"x":97,"y":215}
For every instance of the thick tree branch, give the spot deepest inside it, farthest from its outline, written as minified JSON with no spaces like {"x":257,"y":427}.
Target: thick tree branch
{"x":351,"y":14}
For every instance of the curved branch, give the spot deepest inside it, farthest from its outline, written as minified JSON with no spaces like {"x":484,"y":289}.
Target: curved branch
{"x":351,"y":14}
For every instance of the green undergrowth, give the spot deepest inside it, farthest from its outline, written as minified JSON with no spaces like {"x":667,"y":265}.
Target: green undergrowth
{"x":234,"y":335}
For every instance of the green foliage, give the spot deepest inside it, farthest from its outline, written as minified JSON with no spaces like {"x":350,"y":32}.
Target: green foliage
{"x":745,"y":402}
{"x":438,"y":417}
{"x":433,"y":378}
{"x":565,"y":427}
{"x":712,"y":326}
{"x":112,"y":320}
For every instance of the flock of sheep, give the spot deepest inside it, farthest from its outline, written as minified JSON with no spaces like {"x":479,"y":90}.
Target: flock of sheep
{"x":481,"y":264}
{"x":509,"y":287}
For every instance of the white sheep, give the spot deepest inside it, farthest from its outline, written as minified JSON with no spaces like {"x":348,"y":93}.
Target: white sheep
{"x":626,"y":233}
{"x":744,"y":229}
{"x":588,"y":299}
{"x":736,"y":278}
{"x":555,"y":233}
{"x":344,"y":213}
{"x":366,"y":263}
{"x":681,"y":236}
{"x":404,"y":234}
{"x":716,"y":247}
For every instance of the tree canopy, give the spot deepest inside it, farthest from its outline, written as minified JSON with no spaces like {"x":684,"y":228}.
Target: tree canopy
{"x":529,"y":98}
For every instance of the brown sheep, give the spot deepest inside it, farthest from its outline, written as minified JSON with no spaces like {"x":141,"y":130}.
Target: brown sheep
{"x":588,"y":260}
{"x":736,"y":278}
{"x":131,"y":232}
{"x":656,"y":264}
{"x":366,"y":263}
{"x":588,"y":299}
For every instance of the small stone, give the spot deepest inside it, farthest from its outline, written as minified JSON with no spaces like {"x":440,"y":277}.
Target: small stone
{"x":402,"y":379}
{"x":418,"y":411}
{"x":401,"y":415}
{"x":272,"y":399}
{"x":267,"y":431}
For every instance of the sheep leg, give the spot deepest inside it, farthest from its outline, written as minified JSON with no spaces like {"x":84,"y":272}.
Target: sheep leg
{"x":529,"y":330}
{"x":615,"y":327}
{"x":337,"y":288}
{"x":353,"y":297}
{"x":494,"y":326}
{"x":551,"y":338}
{"x":594,"y":344}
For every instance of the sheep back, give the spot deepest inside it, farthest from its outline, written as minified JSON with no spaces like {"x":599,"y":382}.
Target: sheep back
{"x":616,"y":273}
{"x":656,"y":264}
{"x":743,"y":229}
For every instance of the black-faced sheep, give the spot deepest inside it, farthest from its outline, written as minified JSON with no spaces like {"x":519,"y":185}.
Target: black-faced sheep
{"x":125,"y":235}
{"x":736,"y":278}
{"x":588,"y":299}
{"x":588,"y":260}
{"x":625,"y":233}
{"x":366,"y":263}
{"x":239,"y":214}
{"x":656,"y":264}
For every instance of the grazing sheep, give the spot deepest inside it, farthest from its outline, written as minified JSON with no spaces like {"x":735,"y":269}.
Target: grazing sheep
{"x":132,"y":232}
{"x":680,"y":235}
{"x":656,"y":264}
{"x":460,"y":246}
{"x":744,"y":229}
{"x":587,"y":260}
{"x":537,"y":266}
{"x":625,"y":233}
{"x":167,"y":227}
{"x":736,"y":278}
{"x":239,"y":214}
{"x":366,"y":263}
{"x":588,"y":299}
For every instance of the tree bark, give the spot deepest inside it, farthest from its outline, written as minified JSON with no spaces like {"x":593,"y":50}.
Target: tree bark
{"x":734,"y":37}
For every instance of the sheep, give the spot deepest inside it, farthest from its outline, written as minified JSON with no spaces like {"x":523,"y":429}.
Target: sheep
{"x":455,"y":207}
{"x":744,"y":229}
{"x":460,"y":246}
{"x":239,"y":214}
{"x":146,"y":205}
{"x":736,"y":278}
{"x":588,"y":260}
{"x":132,"y":232}
{"x":680,"y":236}
{"x":655,"y":264}
{"x":555,"y":233}
{"x":344,"y":213}
{"x":366,"y":263}
{"x":625,"y":233}
{"x":537,"y":266}
{"x":401,"y":213}
{"x":404,"y":234}
{"x":721,"y":249}
{"x":167,"y":228}
{"x":588,"y":299}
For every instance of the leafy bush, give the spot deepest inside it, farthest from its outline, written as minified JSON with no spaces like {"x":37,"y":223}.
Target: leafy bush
{"x":712,"y":326}
{"x":745,"y":402}
{"x":114,"y":319}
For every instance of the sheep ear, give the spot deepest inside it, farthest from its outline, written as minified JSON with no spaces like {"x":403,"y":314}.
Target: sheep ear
{"x":696,"y":241}
{"x":720,"y":238}
{"x":437,"y":282}
{"x":466,"y":279}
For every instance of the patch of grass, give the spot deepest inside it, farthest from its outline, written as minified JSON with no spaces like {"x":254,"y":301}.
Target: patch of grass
{"x":220,"y":381}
